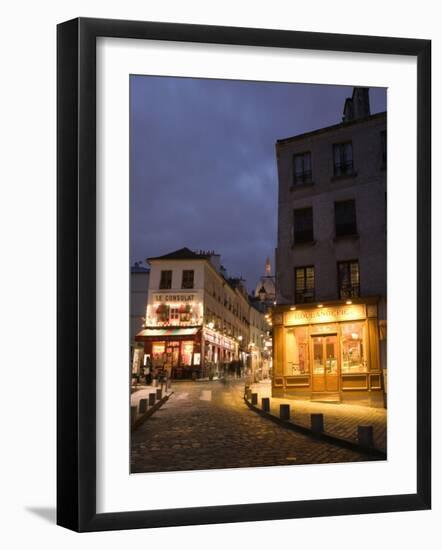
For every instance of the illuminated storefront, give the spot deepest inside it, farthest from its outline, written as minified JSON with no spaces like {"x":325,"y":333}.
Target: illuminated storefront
{"x":218,"y":348}
{"x":175,"y":339}
{"x":197,"y":320}
{"x":176,"y":350}
{"x":328,"y":352}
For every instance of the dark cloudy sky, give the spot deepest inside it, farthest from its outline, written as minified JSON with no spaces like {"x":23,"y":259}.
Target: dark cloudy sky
{"x":203,"y":169}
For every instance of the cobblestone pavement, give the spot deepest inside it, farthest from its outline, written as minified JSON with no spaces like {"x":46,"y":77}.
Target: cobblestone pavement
{"x":340,"y":419}
{"x":207,"y":425}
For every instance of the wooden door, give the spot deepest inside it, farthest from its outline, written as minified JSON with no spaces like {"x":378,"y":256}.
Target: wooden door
{"x":325,"y":375}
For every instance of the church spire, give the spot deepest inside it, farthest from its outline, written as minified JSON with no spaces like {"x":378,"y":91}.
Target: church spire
{"x":268,"y":268}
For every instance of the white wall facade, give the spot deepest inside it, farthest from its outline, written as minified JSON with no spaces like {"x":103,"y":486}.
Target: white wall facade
{"x":176,"y":295}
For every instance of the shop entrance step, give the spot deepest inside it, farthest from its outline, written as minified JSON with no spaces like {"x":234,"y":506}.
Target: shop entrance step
{"x":322,"y":397}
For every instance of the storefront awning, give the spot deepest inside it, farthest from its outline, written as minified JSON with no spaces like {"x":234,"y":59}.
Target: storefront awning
{"x":165,"y":332}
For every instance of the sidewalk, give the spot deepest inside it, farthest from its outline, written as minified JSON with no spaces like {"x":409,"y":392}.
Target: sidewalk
{"x":340,"y":420}
{"x":139,"y":412}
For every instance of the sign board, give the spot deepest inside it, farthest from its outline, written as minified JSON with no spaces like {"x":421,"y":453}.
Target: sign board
{"x":353,"y":312}
{"x":174,"y":297}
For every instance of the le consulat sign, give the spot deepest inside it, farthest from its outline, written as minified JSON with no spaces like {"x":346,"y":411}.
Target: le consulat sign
{"x":174,"y":297}
{"x":325,"y":315}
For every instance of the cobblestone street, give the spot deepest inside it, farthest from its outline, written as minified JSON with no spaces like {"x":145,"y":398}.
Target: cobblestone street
{"x":207,"y":425}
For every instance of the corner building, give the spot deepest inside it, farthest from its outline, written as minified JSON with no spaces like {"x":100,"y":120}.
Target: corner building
{"x":329,"y":324}
{"x":197,"y":318}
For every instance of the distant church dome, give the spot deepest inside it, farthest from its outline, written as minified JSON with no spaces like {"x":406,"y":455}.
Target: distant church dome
{"x":266,"y":284}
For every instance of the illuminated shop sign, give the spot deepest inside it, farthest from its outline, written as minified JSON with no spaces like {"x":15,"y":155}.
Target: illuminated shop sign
{"x":218,"y":339}
{"x":174,"y":297}
{"x":325,"y":315}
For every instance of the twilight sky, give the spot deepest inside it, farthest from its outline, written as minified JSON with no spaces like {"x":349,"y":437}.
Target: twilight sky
{"x":203,"y":168}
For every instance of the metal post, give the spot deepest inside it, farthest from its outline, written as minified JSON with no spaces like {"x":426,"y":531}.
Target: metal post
{"x":317,"y":422}
{"x":265,"y":404}
{"x":284,"y":412}
{"x":133,"y":414}
{"x":365,"y":436}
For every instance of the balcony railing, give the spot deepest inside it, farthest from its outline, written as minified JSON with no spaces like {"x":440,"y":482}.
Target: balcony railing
{"x":349,"y":291}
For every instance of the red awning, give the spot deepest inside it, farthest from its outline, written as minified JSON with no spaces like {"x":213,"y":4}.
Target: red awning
{"x":166,"y":332}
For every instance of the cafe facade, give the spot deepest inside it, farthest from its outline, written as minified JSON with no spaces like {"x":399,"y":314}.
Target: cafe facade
{"x":177,"y":341}
{"x":329,"y":352}
{"x":197,"y":320}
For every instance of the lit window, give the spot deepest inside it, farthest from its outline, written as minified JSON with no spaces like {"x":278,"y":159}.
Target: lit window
{"x":353,"y":349}
{"x":174,"y":314}
{"x":304,"y":284}
{"x":158,"y":350}
{"x":348,"y":279}
{"x":186,"y":353}
{"x":297,"y":351}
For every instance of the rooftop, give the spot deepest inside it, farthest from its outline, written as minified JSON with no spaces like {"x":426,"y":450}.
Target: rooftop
{"x":183,"y":254}
{"x":347,"y":124}
{"x":138,"y":268}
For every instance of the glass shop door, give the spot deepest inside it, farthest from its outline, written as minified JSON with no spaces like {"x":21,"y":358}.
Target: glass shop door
{"x":325,"y":363}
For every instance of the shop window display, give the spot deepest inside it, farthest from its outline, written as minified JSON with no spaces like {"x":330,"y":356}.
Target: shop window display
{"x":158,"y":350}
{"x":297,"y":351}
{"x":353,"y":348}
{"x":186,"y":353}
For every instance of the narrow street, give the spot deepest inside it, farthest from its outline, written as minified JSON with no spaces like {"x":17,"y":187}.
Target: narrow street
{"x":207,"y":425}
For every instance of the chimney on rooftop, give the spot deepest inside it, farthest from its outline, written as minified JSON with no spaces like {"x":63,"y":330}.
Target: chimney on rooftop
{"x":357,"y":106}
{"x":215,"y":260}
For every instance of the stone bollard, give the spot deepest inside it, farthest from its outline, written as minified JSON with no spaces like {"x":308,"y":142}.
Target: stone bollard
{"x":133,"y":414}
{"x":265,"y":404}
{"x":317,"y":422}
{"x":254,"y":398}
{"x":142,"y":406}
{"x":284,"y":412}
{"x":159,"y":393}
{"x":152,"y":397}
{"x":365,"y":436}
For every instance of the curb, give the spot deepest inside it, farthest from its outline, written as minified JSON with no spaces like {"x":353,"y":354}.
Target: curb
{"x":377,"y":454}
{"x":140,"y":419}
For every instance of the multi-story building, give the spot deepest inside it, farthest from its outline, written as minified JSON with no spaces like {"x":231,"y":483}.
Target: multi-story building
{"x":197,"y":318}
{"x":260,"y":342}
{"x":329,"y":324}
{"x":139,"y":282}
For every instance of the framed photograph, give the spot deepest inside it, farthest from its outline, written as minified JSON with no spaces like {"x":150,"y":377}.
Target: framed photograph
{"x":226,"y":255}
